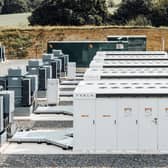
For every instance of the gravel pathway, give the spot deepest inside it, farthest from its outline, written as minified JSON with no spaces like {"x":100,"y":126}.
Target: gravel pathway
{"x":51,"y":161}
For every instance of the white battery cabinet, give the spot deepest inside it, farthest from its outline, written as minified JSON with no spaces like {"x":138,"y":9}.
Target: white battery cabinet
{"x":112,"y":73}
{"x":121,"y":116}
{"x":53,"y":91}
{"x":128,"y":63}
{"x":105,"y":123}
{"x":163,"y":124}
{"x":71,"y":74}
{"x":127,"y":133}
{"x":84,"y":118}
{"x":148,"y":125}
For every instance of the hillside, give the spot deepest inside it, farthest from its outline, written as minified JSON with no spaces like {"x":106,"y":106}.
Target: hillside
{"x":36,"y":38}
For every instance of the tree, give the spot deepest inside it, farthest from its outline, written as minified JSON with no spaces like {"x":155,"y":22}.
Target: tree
{"x":70,"y":12}
{"x":159,"y":15}
{"x":14,"y":6}
{"x":130,"y":9}
{"x":139,"y":21}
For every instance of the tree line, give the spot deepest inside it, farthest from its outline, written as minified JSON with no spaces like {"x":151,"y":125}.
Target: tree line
{"x":18,"y":6}
{"x":90,"y":12}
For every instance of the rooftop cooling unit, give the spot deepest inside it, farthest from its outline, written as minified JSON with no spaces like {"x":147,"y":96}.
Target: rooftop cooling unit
{"x":26,"y":92}
{"x":112,"y":73}
{"x":134,"y":112}
{"x":129,"y":53}
{"x":2,"y":54}
{"x":131,"y":56}
{"x":128,"y":63}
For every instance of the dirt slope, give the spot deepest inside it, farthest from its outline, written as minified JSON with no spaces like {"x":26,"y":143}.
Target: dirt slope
{"x":41,"y":35}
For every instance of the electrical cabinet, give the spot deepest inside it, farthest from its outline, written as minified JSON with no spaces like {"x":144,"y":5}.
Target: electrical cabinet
{"x":53,"y":91}
{"x":71,"y":72}
{"x":106,"y":140}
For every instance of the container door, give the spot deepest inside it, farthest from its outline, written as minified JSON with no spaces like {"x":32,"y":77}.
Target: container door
{"x":127,"y":124}
{"x":163,"y":124}
{"x":148,"y":124}
{"x":106,"y":124}
{"x":84,"y":129}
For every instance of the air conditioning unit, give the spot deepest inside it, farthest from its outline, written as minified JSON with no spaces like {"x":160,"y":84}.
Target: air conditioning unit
{"x":119,"y":73}
{"x":54,"y":65}
{"x":53,"y":91}
{"x":117,"y":116}
{"x":128,"y":63}
{"x":71,"y":73}
{"x":8,"y":104}
{"x":47,"y":58}
{"x":3,"y":82}
{"x":42,"y":79}
{"x":26,"y":92}
{"x":57,"y":53}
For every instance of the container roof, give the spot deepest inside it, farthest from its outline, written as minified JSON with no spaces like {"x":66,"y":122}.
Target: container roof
{"x":131,"y":53}
{"x":123,"y":87}
{"x":121,"y":72}
{"x":129,"y":63}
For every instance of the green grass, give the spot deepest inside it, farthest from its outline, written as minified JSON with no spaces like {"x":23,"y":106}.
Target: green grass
{"x":19,"y":20}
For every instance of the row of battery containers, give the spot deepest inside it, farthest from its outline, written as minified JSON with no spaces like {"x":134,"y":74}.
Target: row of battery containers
{"x":7,"y":106}
{"x":113,"y":73}
{"x":130,"y":59}
{"x":25,"y":86}
{"x":121,"y":124}
{"x":122,"y":117}
{"x":2,"y":54}
{"x":52,"y":66}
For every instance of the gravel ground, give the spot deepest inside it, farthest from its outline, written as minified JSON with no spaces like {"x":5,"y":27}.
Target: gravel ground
{"x":47,"y":161}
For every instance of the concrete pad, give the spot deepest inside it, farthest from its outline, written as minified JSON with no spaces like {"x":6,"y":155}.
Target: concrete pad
{"x":67,"y":110}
